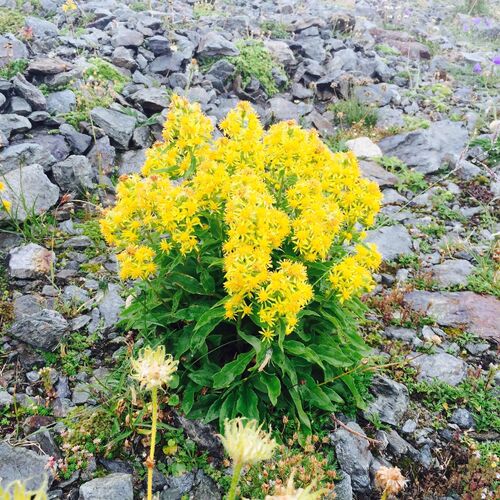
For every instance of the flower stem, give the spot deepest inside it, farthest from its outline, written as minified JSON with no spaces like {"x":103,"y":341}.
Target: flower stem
{"x":234,"y":483}
{"x":384,"y":495}
{"x":151,"y":459}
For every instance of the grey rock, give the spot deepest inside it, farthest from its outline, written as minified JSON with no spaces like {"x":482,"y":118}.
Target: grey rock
{"x":214,"y":44}
{"x":73,"y":294}
{"x":62,"y":102}
{"x":152,"y":99}
{"x":409,"y":427}
{"x":378,"y":174}
{"x":29,"y":92}
{"x":5,"y":398}
{"x":117,"y":485}
{"x":202,"y":434}
{"x":13,"y":123}
{"x":167,"y":63}
{"x":354,"y":456}
{"x":74,"y":174}
{"x":159,"y":45}
{"x":391,"y":400}
{"x":20,"y":464}
{"x":81,"y":393}
{"x":452,"y":272}
{"x":118,"y":126}
{"x":55,"y":144}
{"x":124,"y":58}
{"x":78,"y":142}
{"x":102,"y":155}
{"x":392,"y":197}
{"x":442,"y":367}
{"x":205,"y":488}
{"x":426,"y":150}
{"x":41,"y":330}
{"x":378,"y":94}
{"x":124,"y":37}
{"x":111,"y":305}
{"x":48,"y":66}
{"x":398,"y":446}
{"x":222,"y":71}
{"x":388,"y":117}
{"x":43,"y":31}
{"x":392,"y":241}
{"x":79,"y":242}
{"x":16,"y":156}
{"x":30,"y":261}
{"x":282,"y":109}
{"x":30,"y":191}
{"x":131,"y":161}
{"x":45,"y":442}
{"x":364,"y":147}
{"x":463,"y":418}
{"x":281,"y":52}
{"x":396,"y":332}
{"x":11,"y":49}
{"x":19,"y":106}
{"x":343,"y":488}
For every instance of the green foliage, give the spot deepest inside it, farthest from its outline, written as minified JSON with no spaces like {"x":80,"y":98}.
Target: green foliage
{"x":11,"y":21}
{"x":415,"y":123}
{"x":477,"y":395}
{"x":75,"y":354}
{"x":491,"y":147}
{"x":475,"y":7}
{"x":485,"y":278}
{"x":105,"y":72}
{"x":351,"y":112}
{"x":275,"y":29}
{"x":203,"y":8}
{"x":387,"y":50}
{"x":255,"y":61}
{"x":408,"y":179}
{"x":138,"y":6}
{"x":12,"y":68}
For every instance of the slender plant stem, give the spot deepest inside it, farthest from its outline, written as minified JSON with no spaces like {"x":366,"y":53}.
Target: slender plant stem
{"x":234,"y":483}
{"x":151,"y":459}
{"x":384,"y":495}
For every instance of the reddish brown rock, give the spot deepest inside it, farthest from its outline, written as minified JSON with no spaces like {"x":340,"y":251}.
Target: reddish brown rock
{"x":478,"y":314}
{"x":403,"y":42}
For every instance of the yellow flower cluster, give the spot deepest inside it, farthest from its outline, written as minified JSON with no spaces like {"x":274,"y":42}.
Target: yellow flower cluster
{"x":69,"y":5}
{"x":5,"y":204}
{"x":279,"y":200}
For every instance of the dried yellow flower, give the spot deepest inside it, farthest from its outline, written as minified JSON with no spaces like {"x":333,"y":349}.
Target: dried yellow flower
{"x":153,"y":368}
{"x":245,"y":441}
{"x":390,"y":480}
{"x":291,"y":493}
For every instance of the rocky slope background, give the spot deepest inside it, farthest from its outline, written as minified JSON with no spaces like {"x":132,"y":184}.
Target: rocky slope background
{"x":410,"y":87}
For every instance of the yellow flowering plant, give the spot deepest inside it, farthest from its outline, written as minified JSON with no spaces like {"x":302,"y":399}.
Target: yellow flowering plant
{"x":247,"y":250}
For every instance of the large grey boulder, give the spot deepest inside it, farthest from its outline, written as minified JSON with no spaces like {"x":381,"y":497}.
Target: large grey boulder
{"x":111,"y":306}
{"x":29,"y":92}
{"x":391,"y":241}
{"x":118,"y":126}
{"x":75,"y":173}
{"x":427,"y":150}
{"x":61,"y":102}
{"x":153,"y":99}
{"x":43,"y":329}
{"x":30,"y":261}
{"x":214,"y":44}
{"x":440,"y":367}
{"x":391,"y":400}
{"x":452,"y":272}
{"x":30,"y":192}
{"x":18,"y":155}
{"x":12,"y":123}
{"x":354,"y":456}
{"x":115,"y":486}
{"x":20,"y":464}
{"x":124,"y":37}
{"x":11,"y":49}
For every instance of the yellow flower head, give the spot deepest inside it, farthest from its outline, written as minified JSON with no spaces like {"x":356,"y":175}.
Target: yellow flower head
{"x":69,"y":6}
{"x":18,"y":491}
{"x":390,"y":480}
{"x":245,"y":441}
{"x":153,"y":368}
{"x":289,"y":492}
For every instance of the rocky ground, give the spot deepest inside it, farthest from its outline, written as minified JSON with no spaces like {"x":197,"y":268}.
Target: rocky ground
{"x":409,"y":86}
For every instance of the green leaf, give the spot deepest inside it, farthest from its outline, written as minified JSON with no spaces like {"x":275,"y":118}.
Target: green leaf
{"x":304,"y":419}
{"x":213,"y":411}
{"x":173,"y":400}
{"x":205,"y":325}
{"x":299,"y":349}
{"x":332,"y":355}
{"x":252,"y":340}
{"x":187,"y":283}
{"x":273,"y":386}
{"x":247,"y":404}
{"x":188,"y":396}
{"x":207,"y":282}
{"x":231,"y":370}
{"x":349,"y":381}
{"x":227,"y":410}
{"x":314,"y":395}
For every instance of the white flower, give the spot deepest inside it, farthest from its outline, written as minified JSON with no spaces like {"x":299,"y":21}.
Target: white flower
{"x":153,"y":368}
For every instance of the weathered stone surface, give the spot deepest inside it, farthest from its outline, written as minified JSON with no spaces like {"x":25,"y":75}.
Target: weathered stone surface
{"x":153,"y":99}
{"x":364,"y":147}
{"x":378,"y":174}
{"x":477,"y":313}
{"x":10,"y":123}
{"x":354,"y":456}
{"x":43,"y":329}
{"x":392,"y":241}
{"x":30,"y":261}
{"x":124,"y":37}
{"x":48,"y":66}
{"x":117,"y":485}
{"x":59,"y":103}
{"x":29,"y":92}
{"x":426,"y":150}
{"x":452,"y":272}
{"x":20,"y":464}
{"x":74,"y":173}
{"x":30,"y":192}
{"x":118,"y":126}
{"x":111,"y":306}
{"x":11,"y":49}
{"x":18,"y":155}
{"x":442,"y":367}
{"x":391,"y":400}
{"x":214,"y":44}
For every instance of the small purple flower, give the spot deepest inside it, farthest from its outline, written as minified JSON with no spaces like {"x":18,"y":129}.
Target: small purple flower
{"x":465,"y":28}
{"x":477,"y":21}
{"x":496,"y":60}
{"x":487,"y":22}
{"x":477,"y":68}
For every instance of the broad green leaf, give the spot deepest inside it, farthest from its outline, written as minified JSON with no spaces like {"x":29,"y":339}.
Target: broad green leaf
{"x":247,"y":404}
{"x":213,"y":411}
{"x":205,"y":325}
{"x":188,"y":396}
{"x":252,"y":340}
{"x":207,"y":282}
{"x":315,"y":396}
{"x":232,"y":370}
{"x":349,"y":381}
{"x":227,"y":409}
{"x":186,"y":282}
{"x":304,"y":419}
{"x":273,"y":386}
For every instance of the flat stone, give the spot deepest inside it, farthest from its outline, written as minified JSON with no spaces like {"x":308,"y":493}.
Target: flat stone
{"x":463,"y":418}
{"x":29,"y":92}
{"x":153,"y":99}
{"x":16,"y":156}
{"x":74,"y":174}
{"x":124,"y":37}
{"x":78,"y":142}
{"x":452,"y":272}
{"x":43,"y":329}
{"x":281,"y":109}
{"x":214,"y":44}
{"x":114,"y":486}
{"x":391,"y":400}
{"x":364,"y":147}
{"x":11,"y":49}
{"x":13,"y":123}
{"x":354,"y":456}
{"x":392,"y":241}
{"x":477,"y":313}
{"x":30,"y":261}
{"x":378,"y":174}
{"x":48,"y":66}
{"x":30,"y":192}
{"x":111,"y":306}
{"x":118,"y":126}
{"x":59,"y":103}
{"x":441,"y":367}
{"x":131,"y":161}
{"x":20,"y":464}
